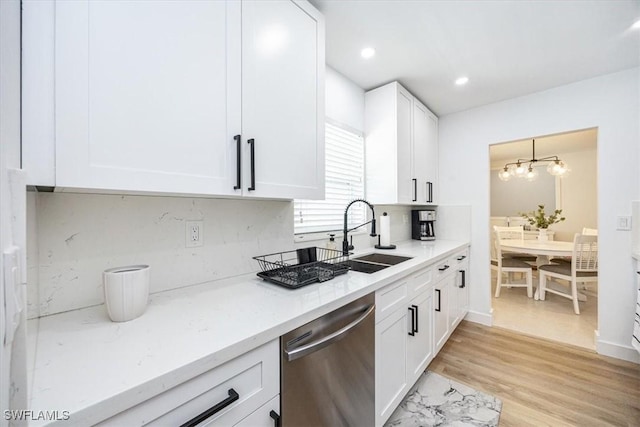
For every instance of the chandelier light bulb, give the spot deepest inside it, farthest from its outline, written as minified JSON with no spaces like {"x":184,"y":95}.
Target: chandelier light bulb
{"x":520,"y":170}
{"x":505,"y":174}
{"x":531,"y":174}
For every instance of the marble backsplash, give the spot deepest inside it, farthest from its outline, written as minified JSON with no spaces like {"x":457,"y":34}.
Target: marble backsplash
{"x":73,"y":238}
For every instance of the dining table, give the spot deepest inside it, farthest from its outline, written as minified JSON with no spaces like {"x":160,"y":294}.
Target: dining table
{"x":544,"y":250}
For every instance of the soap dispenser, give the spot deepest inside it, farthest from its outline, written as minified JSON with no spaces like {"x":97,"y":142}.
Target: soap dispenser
{"x":331,"y":244}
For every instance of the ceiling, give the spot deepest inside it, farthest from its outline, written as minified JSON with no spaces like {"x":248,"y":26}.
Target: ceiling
{"x":550,"y":145}
{"x":506,"y":48}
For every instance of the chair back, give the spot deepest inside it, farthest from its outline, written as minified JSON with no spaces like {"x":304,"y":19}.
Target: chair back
{"x":590,"y":231}
{"x":585,"y":253}
{"x":496,"y":254}
{"x":509,"y":232}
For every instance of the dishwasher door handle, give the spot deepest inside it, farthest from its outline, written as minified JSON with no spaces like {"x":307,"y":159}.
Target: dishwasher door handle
{"x":329,"y":339}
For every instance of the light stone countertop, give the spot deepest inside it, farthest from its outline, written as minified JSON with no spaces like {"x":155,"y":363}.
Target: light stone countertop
{"x":95,"y":368}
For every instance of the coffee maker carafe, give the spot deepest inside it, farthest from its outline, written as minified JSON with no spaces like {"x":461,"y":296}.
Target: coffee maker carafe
{"x":423,"y":224}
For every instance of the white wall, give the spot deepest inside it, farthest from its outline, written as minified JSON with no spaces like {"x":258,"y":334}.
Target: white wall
{"x":78,"y":236}
{"x":344,"y":100}
{"x":578,"y":195}
{"x":610,"y":103}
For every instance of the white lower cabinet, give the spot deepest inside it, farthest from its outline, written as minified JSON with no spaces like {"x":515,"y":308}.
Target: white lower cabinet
{"x":403,"y":342}
{"x":419,"y":343}
{"x":414,"y":318}
{"x":441,"y":319}
{"x":391,"y":364}
{"x":242,"y":391}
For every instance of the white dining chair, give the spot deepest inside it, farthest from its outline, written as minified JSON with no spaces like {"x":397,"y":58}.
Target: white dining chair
{"x":514,"y":232}
{"x":507,"y":266}
{"x":585,"y":232}
{"x":582,"y":269}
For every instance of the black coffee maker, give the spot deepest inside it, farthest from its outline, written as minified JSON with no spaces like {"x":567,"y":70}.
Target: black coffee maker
{"x":423,"y":224}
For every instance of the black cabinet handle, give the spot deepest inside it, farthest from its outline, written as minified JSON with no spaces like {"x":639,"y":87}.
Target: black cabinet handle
{"x":238,"y":139}
{"x":460,"y":258}
{"x":413,"y":321}
{"x":415,"y":307}
{"x":430,"y":185}
{"x":464,"y":278}
{"x":443,"y":268}
{"x":277,"y":420}
{"x":439,"y":307}
{"x":415,"y":190}
{"x":233,"y":396}
{"x":252,"y":143}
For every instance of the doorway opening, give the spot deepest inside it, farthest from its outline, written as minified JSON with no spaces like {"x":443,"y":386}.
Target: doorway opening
{"x":576,"y":195}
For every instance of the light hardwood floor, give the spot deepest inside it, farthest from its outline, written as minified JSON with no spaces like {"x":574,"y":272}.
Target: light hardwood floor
{"x":552,"y":319}
{"x":541,"y":382}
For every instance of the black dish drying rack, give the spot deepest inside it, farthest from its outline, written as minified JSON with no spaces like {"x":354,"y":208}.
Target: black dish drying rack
{"x":301,"y":267}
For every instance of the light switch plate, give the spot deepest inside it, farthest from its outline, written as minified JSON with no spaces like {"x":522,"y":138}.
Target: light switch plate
{"x":623,"y":223}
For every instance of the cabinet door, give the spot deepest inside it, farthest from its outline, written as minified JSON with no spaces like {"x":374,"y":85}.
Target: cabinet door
{"x":462,"y":288}
{"x":441,"y":312}
{"x":282,"y":99}
{"x":431,"y":164}
{"x":407,"y":187}
{"x":147,"y":95}
{"x":420,"y":339}
{"x":391,"y":367}
{"x":421,"y":160}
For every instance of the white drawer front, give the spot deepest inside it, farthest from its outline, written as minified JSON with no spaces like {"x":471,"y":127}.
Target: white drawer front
{"x":421,"y":281}
{"x":389,"y":298}
{"x":254,"y":376}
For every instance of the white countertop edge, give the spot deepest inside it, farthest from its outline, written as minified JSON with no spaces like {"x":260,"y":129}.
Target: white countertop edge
{"x":114,"y":402}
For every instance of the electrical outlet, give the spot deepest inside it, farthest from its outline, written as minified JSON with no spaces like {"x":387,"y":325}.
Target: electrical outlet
{"x":623,"y":223}
{"x":194,"y":234}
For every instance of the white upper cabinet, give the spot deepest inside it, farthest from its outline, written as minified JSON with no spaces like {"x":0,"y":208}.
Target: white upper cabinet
{"x":401,"y":147}
{"x":158,"y":96}
{"x":283,"y":98}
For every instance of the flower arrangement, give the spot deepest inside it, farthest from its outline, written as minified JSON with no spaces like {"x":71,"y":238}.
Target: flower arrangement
{"x":540,"y":220}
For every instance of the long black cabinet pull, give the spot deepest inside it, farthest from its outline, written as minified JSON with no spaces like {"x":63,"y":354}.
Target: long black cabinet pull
{"x":460,"y":258}
{"x":233,"y":396}
{"x":415,"y":190}
{"x":277,"y":420}
{"x":238,"y":139}
{"x":464,"y":278}
{"x":443,"y":268}
{"x":252,"y":143}
{"x":415,"y":307}
{"x":439,"y":307}
{"x":430,"y":191}
{"x":413,"y":321}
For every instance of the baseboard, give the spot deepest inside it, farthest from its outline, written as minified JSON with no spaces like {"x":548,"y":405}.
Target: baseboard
{"x":481,"y":318}
{"x":618,"y":351}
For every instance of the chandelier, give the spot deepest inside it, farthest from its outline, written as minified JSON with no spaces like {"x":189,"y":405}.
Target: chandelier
{"x":526,"y":169}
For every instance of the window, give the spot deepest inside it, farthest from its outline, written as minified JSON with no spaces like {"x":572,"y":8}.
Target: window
{"x":344,"y":181}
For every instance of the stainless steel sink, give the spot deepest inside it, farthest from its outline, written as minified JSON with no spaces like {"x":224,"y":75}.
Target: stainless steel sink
{"x":374,"y":262}
{"x":365,"y":267}
{"x":382,"y":258}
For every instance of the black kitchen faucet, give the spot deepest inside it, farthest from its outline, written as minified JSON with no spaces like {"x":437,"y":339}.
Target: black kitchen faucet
{"x":346,"y":247}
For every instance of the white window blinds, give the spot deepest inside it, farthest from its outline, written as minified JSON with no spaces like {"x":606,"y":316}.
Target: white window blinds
{"x":344,"y":181}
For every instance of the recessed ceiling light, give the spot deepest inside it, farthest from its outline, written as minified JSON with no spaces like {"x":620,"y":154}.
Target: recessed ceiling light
{"x":367,"y":52}
{"x":636,"y":25}
{"x":462,"y":81}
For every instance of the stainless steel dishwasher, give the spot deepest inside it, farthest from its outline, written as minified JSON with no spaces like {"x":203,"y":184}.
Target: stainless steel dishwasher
{"x":328,"y":369}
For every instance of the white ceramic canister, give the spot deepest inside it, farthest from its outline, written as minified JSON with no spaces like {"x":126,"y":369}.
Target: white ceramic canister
{"x":126,"y":291}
